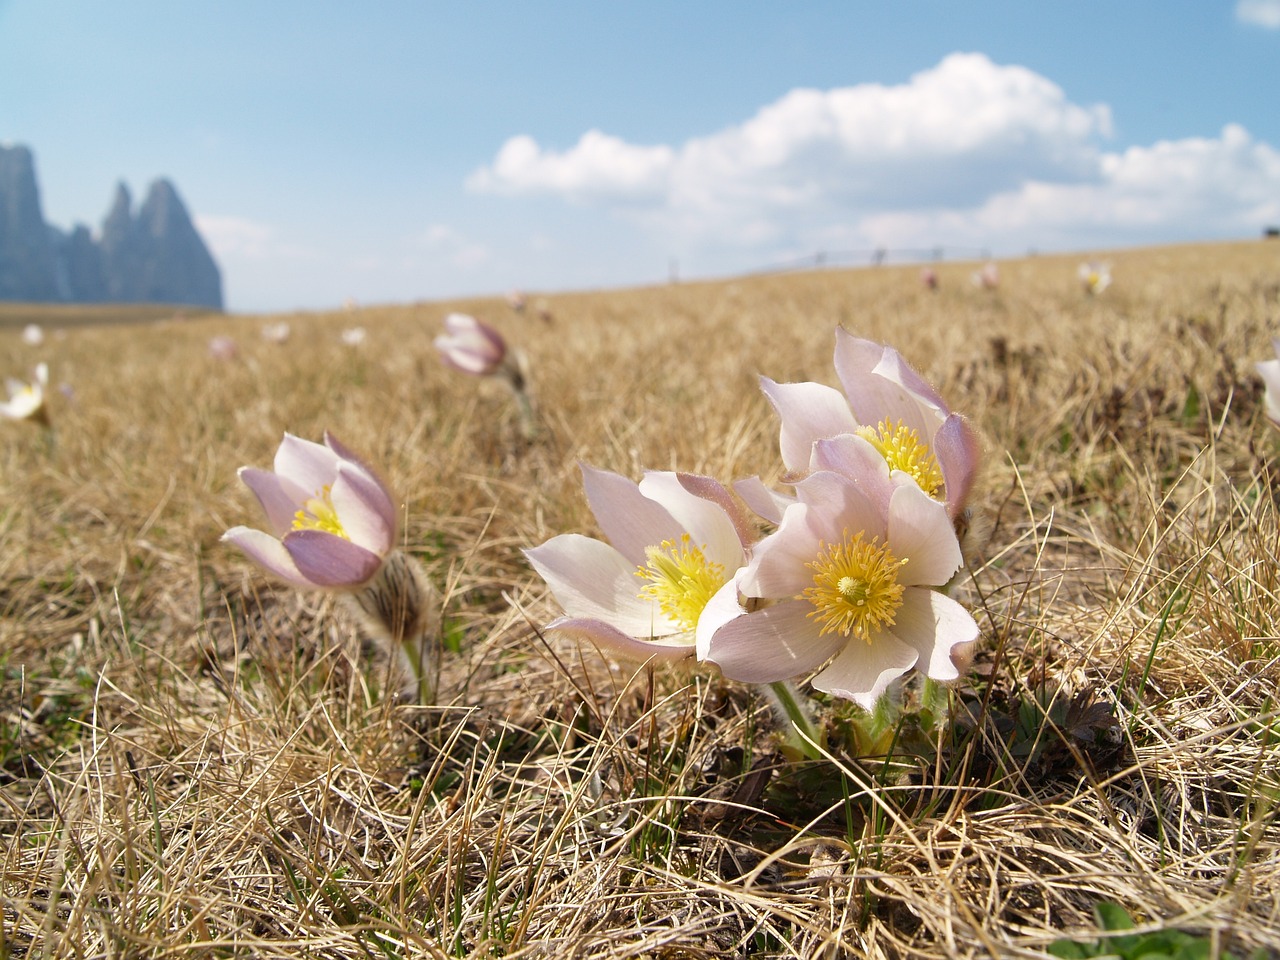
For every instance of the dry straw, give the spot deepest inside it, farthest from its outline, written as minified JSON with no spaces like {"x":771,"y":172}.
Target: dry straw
{"x":196,"y":761}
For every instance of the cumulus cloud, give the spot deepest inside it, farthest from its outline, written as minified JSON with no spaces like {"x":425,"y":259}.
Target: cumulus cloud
{"x":967,"y":152}
{"x":1260,"y":13}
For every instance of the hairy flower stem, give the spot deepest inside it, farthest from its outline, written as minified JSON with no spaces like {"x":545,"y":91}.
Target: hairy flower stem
{"x":803,"y":734}
{"x":401,"y":609}
{"x":514,"y":372}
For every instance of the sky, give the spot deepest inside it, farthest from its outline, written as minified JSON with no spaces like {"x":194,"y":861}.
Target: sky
{"x":418,"y":150}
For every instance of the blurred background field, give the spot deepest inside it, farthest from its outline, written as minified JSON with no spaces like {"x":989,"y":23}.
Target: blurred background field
{"x":196,"y":761}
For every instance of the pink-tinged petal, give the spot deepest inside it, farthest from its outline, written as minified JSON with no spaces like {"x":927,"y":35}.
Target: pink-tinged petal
{"x":777,"y":568}
{"x":611,"y":640}
{"x":938,"y":629}
{"x":862,"y":671}
{"x":921,"y":533}
{"x":279,"y":504}
{"x":720,"y":609}
{"x":708,"y":526}
{"x":311,"y":466}
{"x":1269,"y":371}
{"x":958,"y":451}
{"x":346,"y":453}
{"x":330,"y":561}
{"x":775,"y":643}
{"x":840,"y":506}
{"x":593,"y":581}
{"x":879,"y":386}
{"x":809,"y":412}
{"x":629,"y":520}
{"x":269,"y":553}
{"x":856,"y":459}
{"x":716,"y":492}
{"x":365,"y":511}
{"x":765,"y":503}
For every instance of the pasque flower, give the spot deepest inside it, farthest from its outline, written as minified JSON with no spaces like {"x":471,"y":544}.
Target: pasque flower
{"x":664,"y":579}
{"x":333,"y":526}
{"x":886,"y":404}
{"x":1269,"y":370}
{"x":475,"y":347}
{"x":27,"y":400}
{"x":1094,"y":277}
{"x":847,"y":581}
{"x":471,"y":346}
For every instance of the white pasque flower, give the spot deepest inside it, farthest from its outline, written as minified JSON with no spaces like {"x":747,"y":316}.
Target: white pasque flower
{"x":886,"y":403}
{"x":1269,"y":370}
{"x":664,"y":579}
{"x":847,"y":581}
{"x":27,"y":400}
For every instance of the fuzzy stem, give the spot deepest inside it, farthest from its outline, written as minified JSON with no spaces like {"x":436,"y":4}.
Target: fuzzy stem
{"x":804,"y":735}
{"x":400,"y":608}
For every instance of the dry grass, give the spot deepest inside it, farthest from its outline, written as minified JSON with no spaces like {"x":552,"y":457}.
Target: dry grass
{"x":195,"y":761}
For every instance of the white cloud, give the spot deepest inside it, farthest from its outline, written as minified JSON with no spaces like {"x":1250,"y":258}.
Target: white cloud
{"x":967,"y":152}
{"x":1260,"y":13}
{"x":241,"y":238}
{"x":856,"y":147}
{"x":445,"y":242}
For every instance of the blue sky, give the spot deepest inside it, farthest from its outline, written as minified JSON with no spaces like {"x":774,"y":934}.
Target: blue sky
{"x":414,"y":149}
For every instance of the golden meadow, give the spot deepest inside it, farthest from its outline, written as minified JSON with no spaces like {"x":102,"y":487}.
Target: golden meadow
{"x":197,"y":761}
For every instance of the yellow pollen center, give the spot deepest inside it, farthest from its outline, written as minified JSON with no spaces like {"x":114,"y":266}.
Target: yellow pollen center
{"x":318,"y":514}
{"x":680,"y":579}
{"x":855,"y":587}
{"x":903,"y":450}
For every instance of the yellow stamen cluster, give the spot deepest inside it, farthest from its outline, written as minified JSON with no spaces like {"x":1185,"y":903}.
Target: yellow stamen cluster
{"x":318,"y":514}
{"x":855,"y":587}
{"x":903,"y":450}
{"x":681,"y":579}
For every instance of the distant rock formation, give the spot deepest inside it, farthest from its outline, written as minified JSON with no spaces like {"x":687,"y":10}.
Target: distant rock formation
{"x":156,"y":256}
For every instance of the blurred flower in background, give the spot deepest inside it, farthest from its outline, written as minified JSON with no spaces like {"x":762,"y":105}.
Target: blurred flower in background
{"x":223,"y":348}
{"x":353,"y":336}
{"x":33,"y":335}
{"x":988,"y":278}
{"x":1094,"y":277}
{"x":275,"y":332}
{"x":1269,"y":370}
{"x":27,"y":400}
{"x":474,"y":347}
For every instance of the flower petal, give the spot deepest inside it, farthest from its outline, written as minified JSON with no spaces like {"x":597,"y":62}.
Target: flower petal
{"x":809,"y":412}
{"x":775,"y":643}
{"x":311,"y":466}
{"x":862,"y":671}
{"x":958,"y":451}
{"x":720,"y":609}
{"x":840,"y":505}
{"x":629,"y":520}
{"x":777,"y":568}
{"x":939,"y":629}
{"x":614,"y":641}
{"x":364,"y":508}
{"x":327,"y":560}
{"x":593,"y":581}
{"x":269,"y":553}
{"x":856,"y":459}
{"x":880,"y":386}
{"x":708,"y":525}
{"x":765,"y":503}
{"x":921,"y":533}
{"x":279,"y":504}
